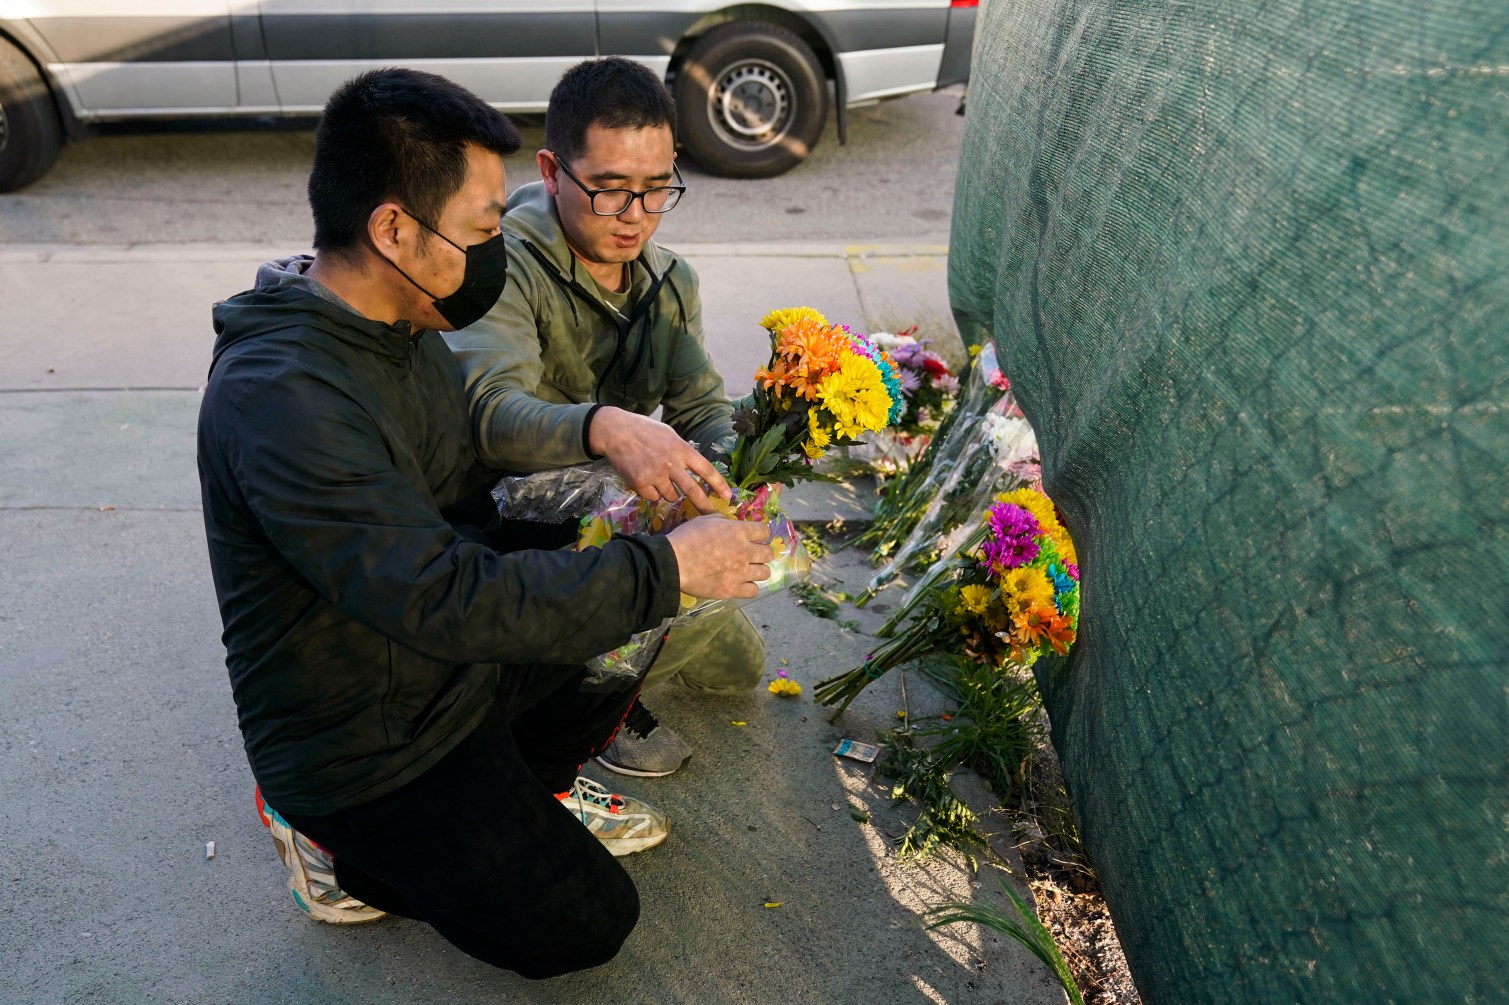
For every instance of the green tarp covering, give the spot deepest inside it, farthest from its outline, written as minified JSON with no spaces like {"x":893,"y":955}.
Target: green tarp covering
{"x":1247,"y":267}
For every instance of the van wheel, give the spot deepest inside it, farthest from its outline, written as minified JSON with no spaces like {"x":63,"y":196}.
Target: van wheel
{"x":30,"y":134}
{"x":751,"y":100}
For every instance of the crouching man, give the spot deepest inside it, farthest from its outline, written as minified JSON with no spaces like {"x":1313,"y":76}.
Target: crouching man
{"x":599,"y":328}
{"x":410,"y":697}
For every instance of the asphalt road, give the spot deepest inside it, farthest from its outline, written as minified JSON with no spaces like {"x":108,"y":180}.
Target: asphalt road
{"x":893,"y":181}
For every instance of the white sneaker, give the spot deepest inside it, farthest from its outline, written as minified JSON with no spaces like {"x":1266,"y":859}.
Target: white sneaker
{"x":311,"y":874}
{"x":622,"y":824}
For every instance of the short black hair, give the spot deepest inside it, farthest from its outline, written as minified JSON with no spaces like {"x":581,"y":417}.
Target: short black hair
{"x":395,"y":134}
{"x":613,"y":92}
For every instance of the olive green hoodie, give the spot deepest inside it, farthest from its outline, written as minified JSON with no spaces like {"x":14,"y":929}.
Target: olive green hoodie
{"x":550,"y":350}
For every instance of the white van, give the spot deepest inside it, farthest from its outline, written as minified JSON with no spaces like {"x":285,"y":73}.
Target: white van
{"x":751,"y":80}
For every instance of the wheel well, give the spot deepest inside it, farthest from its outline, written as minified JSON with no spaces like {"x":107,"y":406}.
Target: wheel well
{"x":73,"y":129}
{"x":796,"y":24}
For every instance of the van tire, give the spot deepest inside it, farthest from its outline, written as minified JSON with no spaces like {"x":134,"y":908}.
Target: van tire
{"x":751,"y":100}
{"x":30,"y":134}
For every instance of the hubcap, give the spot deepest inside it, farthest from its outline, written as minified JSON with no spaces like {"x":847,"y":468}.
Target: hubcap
{"x":751,"y":104}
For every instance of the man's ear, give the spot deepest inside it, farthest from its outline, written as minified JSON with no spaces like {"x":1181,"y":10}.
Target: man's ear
{"x":548,"y":172}
{"x":385,"y":227}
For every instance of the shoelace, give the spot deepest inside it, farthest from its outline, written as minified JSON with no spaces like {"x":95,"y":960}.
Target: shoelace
{"x":585,"y":790}
{"x":641,"y":720}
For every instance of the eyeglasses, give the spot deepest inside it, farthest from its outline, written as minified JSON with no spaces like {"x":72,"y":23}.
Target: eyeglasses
{"x":615,"y":201}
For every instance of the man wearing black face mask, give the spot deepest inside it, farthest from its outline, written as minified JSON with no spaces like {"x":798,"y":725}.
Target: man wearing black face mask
{"x":410,"y":697}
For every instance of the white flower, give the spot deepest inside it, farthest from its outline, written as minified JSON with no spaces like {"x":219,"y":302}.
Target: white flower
{"x":1009,"y":437}
{"x":889,"y":341}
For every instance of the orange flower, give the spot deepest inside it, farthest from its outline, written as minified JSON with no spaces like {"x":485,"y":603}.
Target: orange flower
{"x":1060,"y":634}
{"x":805,"y":352}
{"x":1032,"y":626}
{"x":806,"y":340}
{"x":788,"y":375}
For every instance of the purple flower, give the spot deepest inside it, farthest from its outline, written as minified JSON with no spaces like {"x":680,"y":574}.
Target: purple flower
{"x":906,"y":355}
{"x":910,"y":380}
{"x":1010,"y":543}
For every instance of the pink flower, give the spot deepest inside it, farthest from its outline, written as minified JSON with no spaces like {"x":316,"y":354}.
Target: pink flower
{"x":754,"y":507}
{"x":1010,"y":543}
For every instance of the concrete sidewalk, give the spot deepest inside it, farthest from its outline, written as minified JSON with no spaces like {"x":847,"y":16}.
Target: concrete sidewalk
{"x":122,"y":757}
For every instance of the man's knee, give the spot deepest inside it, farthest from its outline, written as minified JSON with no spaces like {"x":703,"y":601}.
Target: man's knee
{"x":727,"y":678}
{"x":731,"y":661}
{"x":582,"y":936}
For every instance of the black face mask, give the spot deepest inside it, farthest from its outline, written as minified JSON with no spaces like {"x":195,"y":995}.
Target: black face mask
{"x":481,"y":285}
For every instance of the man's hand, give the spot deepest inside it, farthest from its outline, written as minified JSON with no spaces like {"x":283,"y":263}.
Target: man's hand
{"x":653,"y":459}
{"x":721,"y":558}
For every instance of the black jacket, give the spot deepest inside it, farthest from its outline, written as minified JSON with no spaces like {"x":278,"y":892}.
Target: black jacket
{"x":365,"y":619}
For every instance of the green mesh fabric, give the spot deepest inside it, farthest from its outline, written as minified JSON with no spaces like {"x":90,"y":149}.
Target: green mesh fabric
{"x":1247,"y":267}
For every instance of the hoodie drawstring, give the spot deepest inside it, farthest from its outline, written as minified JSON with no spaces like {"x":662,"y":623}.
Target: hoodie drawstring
{"x":641,"y":315}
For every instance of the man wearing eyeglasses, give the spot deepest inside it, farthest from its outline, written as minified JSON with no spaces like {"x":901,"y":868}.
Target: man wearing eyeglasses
{"x":596,"y":329}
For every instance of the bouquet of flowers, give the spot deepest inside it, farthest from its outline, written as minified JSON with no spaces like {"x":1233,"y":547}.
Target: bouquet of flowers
{"x":926,"y":383}
{"x":928,"y":391}
{"x":825,"y":386}
{"x":1009,"y":595}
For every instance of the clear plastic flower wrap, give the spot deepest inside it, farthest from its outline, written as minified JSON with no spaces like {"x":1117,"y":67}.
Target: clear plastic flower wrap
{"x":908,"y":494}
{"x":558,"y":495}
{"x":995,"y":454}
{"x":598,"y":500}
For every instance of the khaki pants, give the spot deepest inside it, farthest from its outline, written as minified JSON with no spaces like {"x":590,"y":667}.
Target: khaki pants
{"x":717,"y":654}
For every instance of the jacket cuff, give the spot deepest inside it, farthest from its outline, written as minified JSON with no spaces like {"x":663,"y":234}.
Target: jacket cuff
{"x":587,"y":433}
{"x":667,"y":599}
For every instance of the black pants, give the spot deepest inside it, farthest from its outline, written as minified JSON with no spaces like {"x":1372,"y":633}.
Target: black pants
{"x":479,"y":847}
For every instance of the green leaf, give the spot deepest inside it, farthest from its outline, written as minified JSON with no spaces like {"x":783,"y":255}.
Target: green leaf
{"x":1022,"y":925}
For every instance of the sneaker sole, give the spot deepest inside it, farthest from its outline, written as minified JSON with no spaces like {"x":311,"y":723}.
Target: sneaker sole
{"x":638,"y":772}
{"x":334,"y":915}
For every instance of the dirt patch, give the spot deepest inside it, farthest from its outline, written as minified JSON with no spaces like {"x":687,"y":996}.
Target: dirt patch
{"x":1066,"y":890}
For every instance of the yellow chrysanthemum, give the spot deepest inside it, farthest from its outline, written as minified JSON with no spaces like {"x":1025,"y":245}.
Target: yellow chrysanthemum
{"x":1038,"y":505}
{"x":856,"y":397}
{"x":782,"y":317}
{"x":973,"y":599}
{"x":785,"y":687}
{"x":998,"y":618}
{"x":1066,"y":547}
{"x":818,"y":436}
{"x":816,"y":431}
{"x":1026,"y":588}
